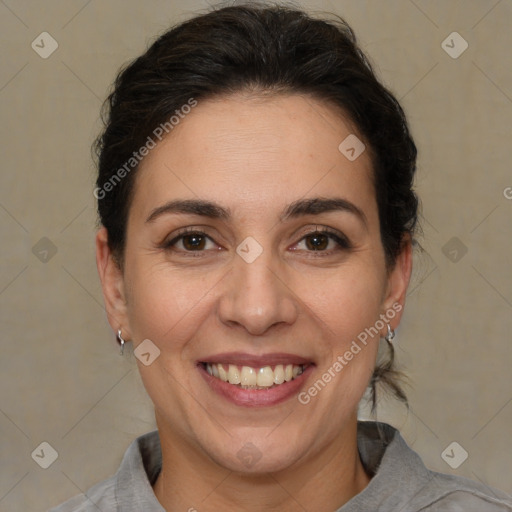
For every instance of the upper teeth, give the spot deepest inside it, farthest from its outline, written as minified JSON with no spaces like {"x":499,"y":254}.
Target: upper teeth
{"x":254,"y":377}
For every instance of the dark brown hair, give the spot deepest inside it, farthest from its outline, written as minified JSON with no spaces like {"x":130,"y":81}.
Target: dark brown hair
{"x":270,"y":50}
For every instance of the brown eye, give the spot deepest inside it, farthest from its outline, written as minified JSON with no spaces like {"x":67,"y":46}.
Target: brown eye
{"x":190,"y":241}
{"x":194,"y":242}
{"x":317,"y":242}
{"x":323,"y":241}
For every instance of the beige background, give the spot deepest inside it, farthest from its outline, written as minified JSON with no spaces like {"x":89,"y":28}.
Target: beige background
{"x":61,"y":378}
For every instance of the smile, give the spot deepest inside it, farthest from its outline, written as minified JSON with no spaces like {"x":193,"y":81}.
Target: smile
{"x":251,"y":380}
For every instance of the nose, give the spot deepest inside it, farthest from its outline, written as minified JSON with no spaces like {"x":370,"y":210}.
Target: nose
{"x":257,"y":296}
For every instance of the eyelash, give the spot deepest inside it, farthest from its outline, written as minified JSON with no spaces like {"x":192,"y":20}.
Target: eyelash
{"x":341,"y":240}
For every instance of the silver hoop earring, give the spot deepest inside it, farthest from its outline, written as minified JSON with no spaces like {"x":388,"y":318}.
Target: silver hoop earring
{"x":121,"y":341}
{"x":390,"y":335}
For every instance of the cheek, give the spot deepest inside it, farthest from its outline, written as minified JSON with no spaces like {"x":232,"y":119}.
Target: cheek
{"x":163,"y":304}
{"x":349,"y":305}
{"x":347,"y":301}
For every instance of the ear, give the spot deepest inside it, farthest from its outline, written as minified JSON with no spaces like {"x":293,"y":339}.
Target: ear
{"x":112,"y":283}
{"x":398,"y":282}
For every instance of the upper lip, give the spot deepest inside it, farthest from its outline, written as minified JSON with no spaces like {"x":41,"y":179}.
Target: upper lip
{"x":256,"y":361}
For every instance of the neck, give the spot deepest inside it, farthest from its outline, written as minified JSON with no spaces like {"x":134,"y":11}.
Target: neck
{"x":191,"y":481}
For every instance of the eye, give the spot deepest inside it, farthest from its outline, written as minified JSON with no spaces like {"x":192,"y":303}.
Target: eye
{"x":190,"y":241}
{"x":321,"y":240}
{"x":324,"y":240}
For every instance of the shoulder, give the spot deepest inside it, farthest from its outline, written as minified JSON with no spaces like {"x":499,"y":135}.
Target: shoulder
{"x":448,"y":493}
{"x":130,"y":489}
{"x":402,"y":482}
{"x":101,"y":496}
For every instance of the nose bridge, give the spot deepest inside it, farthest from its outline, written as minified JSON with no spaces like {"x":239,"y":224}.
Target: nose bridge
{"x":256,"y":296}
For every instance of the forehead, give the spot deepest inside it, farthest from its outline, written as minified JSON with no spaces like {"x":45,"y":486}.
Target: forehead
{"x":248,"y":152}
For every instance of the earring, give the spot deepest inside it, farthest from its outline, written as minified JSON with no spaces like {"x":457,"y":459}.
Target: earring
{"x":120,"y":340}
{"x":390,"y":335}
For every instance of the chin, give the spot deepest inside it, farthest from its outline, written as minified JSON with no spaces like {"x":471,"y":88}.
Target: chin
{"x":256,"y":454}
{"x":249,"y":460}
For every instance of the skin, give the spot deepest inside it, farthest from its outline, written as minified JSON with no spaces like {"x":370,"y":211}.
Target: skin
{"x":254,"y":156}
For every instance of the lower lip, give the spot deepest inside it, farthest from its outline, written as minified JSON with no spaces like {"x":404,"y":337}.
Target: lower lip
{"x":256,"y":397}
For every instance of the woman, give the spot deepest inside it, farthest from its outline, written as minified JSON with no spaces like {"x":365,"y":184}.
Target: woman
{"x":257,"y":214}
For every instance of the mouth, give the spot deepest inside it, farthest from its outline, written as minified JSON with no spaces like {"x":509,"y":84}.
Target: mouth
{"x":254,"y":381}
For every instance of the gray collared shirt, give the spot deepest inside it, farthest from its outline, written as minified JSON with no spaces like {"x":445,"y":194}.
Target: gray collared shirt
{"x":400,"y":482}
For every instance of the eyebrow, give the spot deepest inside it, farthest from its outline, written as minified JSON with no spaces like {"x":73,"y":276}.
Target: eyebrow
{"x":301,"y":207}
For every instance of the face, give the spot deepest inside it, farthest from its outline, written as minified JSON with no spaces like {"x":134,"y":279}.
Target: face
{"x":234,"y":273}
